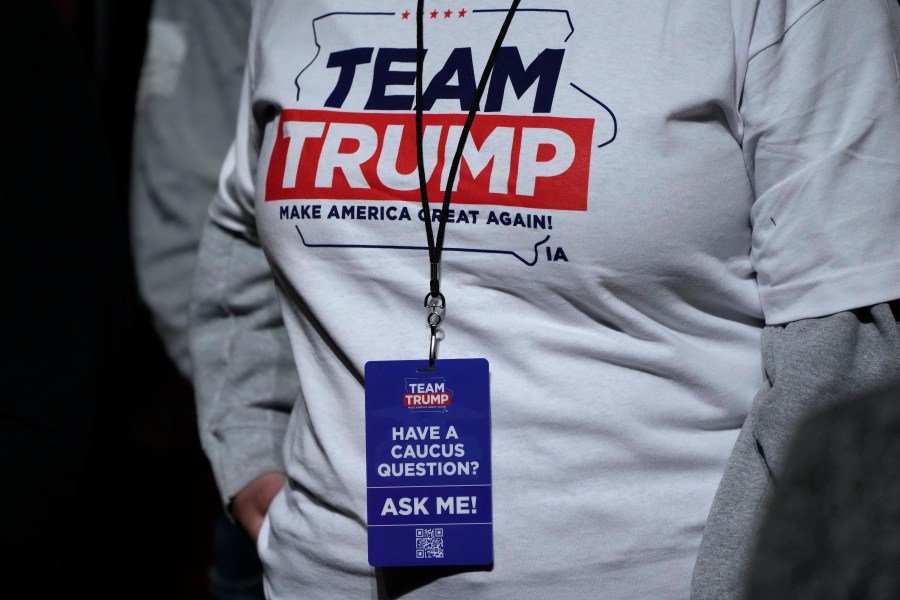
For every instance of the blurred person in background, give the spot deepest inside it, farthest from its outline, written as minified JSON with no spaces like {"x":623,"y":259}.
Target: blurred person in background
{"x":186,"y":111}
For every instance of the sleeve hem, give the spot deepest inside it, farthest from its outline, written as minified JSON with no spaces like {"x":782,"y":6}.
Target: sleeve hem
{"x":243,"y":454}
{"x":821,"y":298}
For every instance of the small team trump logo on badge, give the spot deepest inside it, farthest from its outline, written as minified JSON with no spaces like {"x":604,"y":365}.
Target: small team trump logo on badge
{"x":427,"y":393}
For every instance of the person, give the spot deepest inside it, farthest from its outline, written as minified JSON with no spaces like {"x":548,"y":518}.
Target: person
{"x":186,"y":109}
{"x":642,"y":200}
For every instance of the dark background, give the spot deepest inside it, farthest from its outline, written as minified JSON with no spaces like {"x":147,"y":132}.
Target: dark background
{"x":149,"y":503}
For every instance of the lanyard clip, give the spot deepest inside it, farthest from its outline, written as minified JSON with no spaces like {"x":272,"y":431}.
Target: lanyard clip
{"x":436,"y":303}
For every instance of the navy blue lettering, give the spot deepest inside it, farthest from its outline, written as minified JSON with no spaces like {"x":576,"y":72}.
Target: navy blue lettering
{"x":459,"y":64}
{"x":384,"y":77}
{"x":544,"y":70}
{"x":347,"y":60}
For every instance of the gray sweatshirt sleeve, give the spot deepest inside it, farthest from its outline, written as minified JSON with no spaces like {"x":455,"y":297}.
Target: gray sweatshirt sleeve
{"x":810,"y":365}
{"x":245,"y":379}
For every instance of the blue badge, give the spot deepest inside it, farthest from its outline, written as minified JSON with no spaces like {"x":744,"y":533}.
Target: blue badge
{"x":428,"y":463}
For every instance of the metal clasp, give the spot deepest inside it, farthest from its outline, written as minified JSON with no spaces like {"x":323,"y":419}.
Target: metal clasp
{"x":436,"y":303}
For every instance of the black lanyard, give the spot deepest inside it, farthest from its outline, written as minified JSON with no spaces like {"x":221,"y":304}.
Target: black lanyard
{"x":435,"y":299}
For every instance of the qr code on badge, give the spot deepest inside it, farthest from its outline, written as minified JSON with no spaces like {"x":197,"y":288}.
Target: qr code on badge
{"x":430,"y":543}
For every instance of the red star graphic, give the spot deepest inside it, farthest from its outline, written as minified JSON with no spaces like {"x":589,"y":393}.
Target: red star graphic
{"x":462,"y":13}
{"x":405,"y":15}
{"x":448,"y":13}
{"x":434,"y":14}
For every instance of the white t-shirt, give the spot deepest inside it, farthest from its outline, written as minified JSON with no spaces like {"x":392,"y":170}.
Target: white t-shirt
{"x":647,"y":185}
